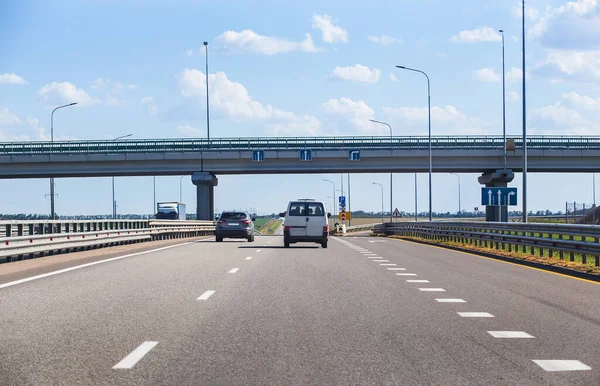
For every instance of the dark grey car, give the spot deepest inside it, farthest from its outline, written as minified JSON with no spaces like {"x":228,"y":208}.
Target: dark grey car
{"x":235,"y":225}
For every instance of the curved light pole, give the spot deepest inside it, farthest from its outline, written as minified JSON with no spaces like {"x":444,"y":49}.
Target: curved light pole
{"x":459,"y":209}
{"x":429,"y":113}
{"x":391,"y":178}
{"x":52,"y":214}
{"x":114,"y":203}
{"x":503,"y":102}
{"x":207,"y":109}
{"x":524,"y":125}
{"x":376,"y":183}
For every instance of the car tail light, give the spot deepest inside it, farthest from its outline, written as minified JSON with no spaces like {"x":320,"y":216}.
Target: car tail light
{"x":286,"y":228}
{"x":326,"y":228}
{"x":221,"y":222}
{"x":246,"y":222}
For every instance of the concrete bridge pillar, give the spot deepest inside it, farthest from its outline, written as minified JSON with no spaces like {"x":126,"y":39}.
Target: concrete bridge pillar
{"x":497,"y":179}
{"x":205,"y":196}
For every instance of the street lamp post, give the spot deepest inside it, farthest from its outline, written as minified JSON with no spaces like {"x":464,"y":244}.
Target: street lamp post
{"x":459,"y":208}
{"x":524,"y":123}
{"x":391,"y":174}
{"x":207,"y":109}
{"x":52,"y":214}
{"x":332,"y":183}
{"x":114,"y":203}
{"x":429,"y":117}
{"x":416,"y":213}
{"x":376,"y":183}
{"x":503,"y":103}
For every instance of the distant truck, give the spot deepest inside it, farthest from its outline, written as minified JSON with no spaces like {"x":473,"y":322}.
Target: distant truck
{"x":170,"y":211}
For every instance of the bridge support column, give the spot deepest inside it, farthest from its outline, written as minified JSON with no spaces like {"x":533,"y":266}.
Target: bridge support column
{"x":498,"y":179}
{"x":205,"y":196}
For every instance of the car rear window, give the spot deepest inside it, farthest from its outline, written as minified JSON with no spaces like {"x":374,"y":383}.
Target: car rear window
{"x":233,"y":216}
{"x":316,"y":209}
{"x":298,"y":209}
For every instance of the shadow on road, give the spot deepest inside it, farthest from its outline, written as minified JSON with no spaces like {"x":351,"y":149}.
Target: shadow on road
{"x":278,"y":247}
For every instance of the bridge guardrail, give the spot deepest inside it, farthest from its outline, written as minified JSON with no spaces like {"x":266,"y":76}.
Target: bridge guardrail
{"x":287,"y":143}
{"x":564,"y":241}
{"x":19,"y":247}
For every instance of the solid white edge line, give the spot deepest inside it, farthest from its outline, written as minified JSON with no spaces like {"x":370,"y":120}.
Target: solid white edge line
{"x":36,"y":277}
{"x":134,"y":357}
{"x":234,"y":270}
{"x":206,"y":295}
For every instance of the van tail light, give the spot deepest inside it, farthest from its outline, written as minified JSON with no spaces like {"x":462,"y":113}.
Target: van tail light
{"x":326,"y":228}
{"x":286,"y":228}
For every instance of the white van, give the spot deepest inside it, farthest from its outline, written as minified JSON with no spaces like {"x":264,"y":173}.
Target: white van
{"x":305,"y":220}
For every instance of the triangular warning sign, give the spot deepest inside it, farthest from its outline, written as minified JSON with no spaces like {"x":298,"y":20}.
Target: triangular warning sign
{"x":396,"y":213}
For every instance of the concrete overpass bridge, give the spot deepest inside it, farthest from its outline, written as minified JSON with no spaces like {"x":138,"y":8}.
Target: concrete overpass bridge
{"x":204,"y":159}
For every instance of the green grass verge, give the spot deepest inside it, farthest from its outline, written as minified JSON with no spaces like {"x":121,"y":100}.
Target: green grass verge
{"x":270,"y":227}
{"x":260,"y":222}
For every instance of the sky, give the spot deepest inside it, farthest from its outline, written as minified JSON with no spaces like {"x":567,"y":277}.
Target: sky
{"x":281,"y":68}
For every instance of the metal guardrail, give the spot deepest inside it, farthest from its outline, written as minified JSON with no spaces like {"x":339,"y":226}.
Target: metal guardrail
{"x":359,"y":228}
{"x":37,"y":245}
{"x":565,"y":241}
{"x":291,"y":143}
{"x":14,"y":228}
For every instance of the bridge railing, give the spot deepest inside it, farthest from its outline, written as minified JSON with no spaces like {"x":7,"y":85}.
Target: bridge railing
{"x":291,"y":143}
{"x":576,"y":243}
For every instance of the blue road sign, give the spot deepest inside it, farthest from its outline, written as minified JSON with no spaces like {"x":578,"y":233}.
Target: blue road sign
{"x":305,"y":155}
{"x":258,"y":155}
{"x":498,"y":196}
{"x":354,"y":155}
{"x":342,"y":199}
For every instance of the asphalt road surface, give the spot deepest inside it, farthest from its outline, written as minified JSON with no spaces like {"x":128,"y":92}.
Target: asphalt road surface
{"x":368,"y":311}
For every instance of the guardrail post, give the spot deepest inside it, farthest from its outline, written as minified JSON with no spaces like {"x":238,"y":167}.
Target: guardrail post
{"x":8,"y":231}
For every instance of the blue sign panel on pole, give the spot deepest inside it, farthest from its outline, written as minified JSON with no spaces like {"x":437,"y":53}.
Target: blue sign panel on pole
{"x":305,"y":155}
{"x":258,"y":155}
{"x":354,"y":155}
{"x":342,"y":199}
{"x":499,"y":196}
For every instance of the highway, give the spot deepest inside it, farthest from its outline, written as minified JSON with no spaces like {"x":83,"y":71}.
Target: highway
{"x":369,"y":311}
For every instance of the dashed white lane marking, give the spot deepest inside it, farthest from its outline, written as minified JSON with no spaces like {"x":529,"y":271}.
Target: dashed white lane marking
{"x":258,"y":250}
{"x":206,"y":295}
{"x":417,"y":281}
{"x":510,"y":334}
{"x":475,"y":315}
{"x":386,"y":264}
{"x":380,"y":261}
{"x":451,"y":301}
{"x":396,"y":269}
{"x":373,"y":257}
{"x":407,"y":274}
{"x":234,"y":270}
{"x":432,"y":289}
{"x":249,"y":258}
{"x":561,"y":365}
{"x":20,"y":281}
{"x":134,"y":357}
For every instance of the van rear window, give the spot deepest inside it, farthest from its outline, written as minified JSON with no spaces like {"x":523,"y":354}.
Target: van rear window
{"x":298,"y":209}
{"x":307,"y":209}
{"x":316,"y":209}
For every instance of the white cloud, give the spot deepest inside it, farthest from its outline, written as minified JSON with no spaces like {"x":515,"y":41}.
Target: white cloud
{"x":574,"y":65}
{"x":190,"y":131}
{"x":483,"y":34}
{"x":113,"y":101}
{"x":11,"y":78}
{"x":559,"y":118}
{"x":357,"y":73}
{"x":114,"y":86}
{"x":249,"y":41}
{"x":530,"y":12}
{"x":5,"y":137}
{"x":331,"y":33}
{"x":486,"y":75}
{"x":581,"y":101}
{"x":149,"y":105}
{"x":189,"y":52}
{"x":40,"y":131}
{"x":357,"y":113}
{"x":64,"y":92}
{"x":393,"y":77}
{"x":445,"y":119}
{"x":385,"y":40}
{"x":232,"y":100}
{"x":573,"y":25}
{"x":8,"y":118}
{"x":515,"y":74}
{"x":512,"y":96}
